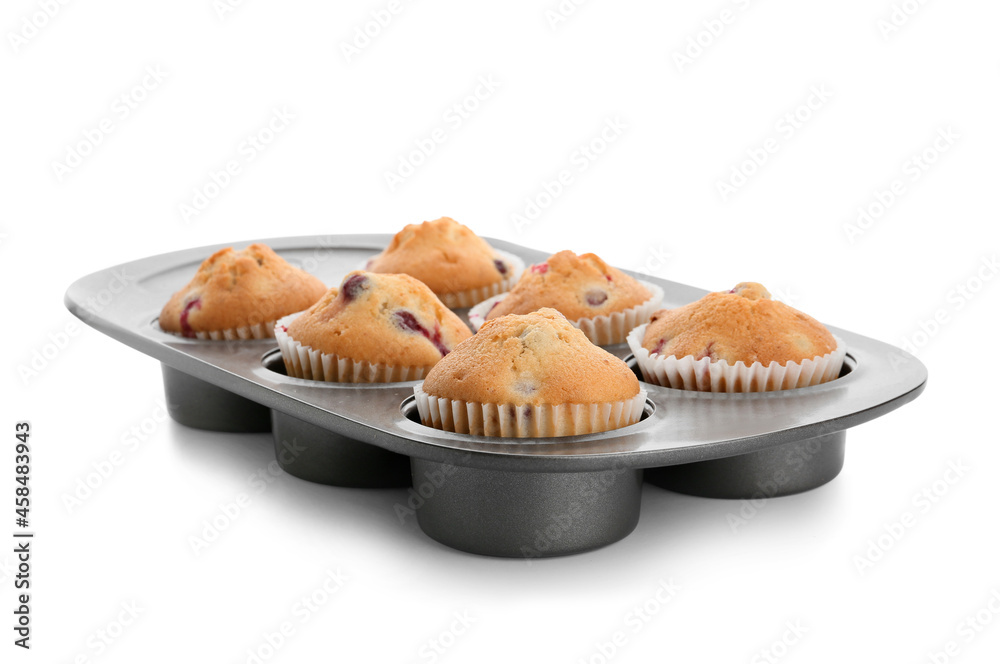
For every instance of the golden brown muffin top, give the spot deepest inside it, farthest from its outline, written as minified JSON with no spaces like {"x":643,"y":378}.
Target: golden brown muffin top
{"x":388,"y":319}
{"x":443,"y":254}
{"x":239,"y":288}
{"x":536,"y":358}
{"x":743,"y":324}
{"x":577,"y":286}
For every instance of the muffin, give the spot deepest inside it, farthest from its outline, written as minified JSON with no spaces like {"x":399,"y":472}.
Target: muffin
{"x":458,"y":265}
{"x":601,"y":300}
{"x":529,"y":375}
{"x":736,"y":341}
{"x":374,"y":328}
{"x":239,"y":295}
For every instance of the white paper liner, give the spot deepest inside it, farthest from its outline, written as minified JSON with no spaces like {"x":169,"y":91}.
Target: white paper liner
{"x":707,"y":375}
{"x":474,"y":296}
{"x":263,"y":330}
{"x":526,"y":421}
{"x":306,"y":362}
{"x":601,"y":330}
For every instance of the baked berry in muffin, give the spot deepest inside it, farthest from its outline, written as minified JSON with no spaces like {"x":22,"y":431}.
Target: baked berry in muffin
{"x":373,"y":328}
{"x":602,"y":300}
{"x":239,"y":295}
{"x":458,"y":265}
{"x":769,"y":344}
{"x":530,"y":375}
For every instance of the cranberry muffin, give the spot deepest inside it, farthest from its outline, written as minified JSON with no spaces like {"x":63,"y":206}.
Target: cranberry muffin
{"x":374,"y":328}
{"x":529,"y":375}
{"x":601,"y":300}
{"x":736,"y":341}
{"x":239,"y":295}
{"x":458,"y":265}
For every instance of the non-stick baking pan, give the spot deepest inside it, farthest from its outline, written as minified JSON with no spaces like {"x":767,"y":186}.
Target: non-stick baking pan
{"x":525,"y":497}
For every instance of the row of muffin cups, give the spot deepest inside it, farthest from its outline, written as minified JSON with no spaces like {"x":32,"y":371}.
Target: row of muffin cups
{"x":510,"y":420}
{"x":522,"y":420}
{"x":517,"y":420}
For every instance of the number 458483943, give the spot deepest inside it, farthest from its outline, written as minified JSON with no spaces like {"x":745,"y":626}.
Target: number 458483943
{"x":22,"y":470}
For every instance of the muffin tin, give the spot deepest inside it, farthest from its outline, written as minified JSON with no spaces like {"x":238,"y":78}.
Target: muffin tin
{"x":521,"y":498}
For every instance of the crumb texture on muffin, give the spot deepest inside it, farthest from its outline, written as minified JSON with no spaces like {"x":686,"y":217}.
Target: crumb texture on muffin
{"x":443,"y":254}
{"x":743,"y":324}
{"x":577,"y":286}
{"x":391,"y":319}
{"x":234,"y":289}
{"x":531,"y":359}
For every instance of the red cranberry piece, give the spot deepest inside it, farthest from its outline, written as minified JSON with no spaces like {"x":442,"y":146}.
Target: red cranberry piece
{"x":707,"y":352}
{"x":353,"y":286}
{"x":541,"y":268}
{"x":596,"y":298}
{"x":658,"y":347}
{"x":438,"y":343}
{"x":501,"y":266}
{"x":185,"y":326}
{"x":407,"y":321}
{"x":608,"y":277}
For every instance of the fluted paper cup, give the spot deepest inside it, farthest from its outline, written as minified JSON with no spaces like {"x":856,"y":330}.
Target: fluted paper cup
{"x":263,"y":330}
{"x":526,"y":421}
{"x":306,"y":362}
{"x":707,"y":375}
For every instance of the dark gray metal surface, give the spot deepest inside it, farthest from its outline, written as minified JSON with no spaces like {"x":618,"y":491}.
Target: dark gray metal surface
{"x":315,"y":454}
{"x":768,"y":473}
{"x":200,"y":405}
{"x":525,"y":515}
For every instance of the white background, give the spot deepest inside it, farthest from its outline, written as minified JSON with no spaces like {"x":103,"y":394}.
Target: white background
{"x":653,"y":190}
